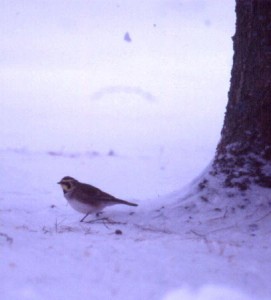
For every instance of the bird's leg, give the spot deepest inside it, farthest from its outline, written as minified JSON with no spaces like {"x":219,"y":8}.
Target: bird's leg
{"x":100,"y":219}
{"x":104,"y":220}
{"x":82,"y":220}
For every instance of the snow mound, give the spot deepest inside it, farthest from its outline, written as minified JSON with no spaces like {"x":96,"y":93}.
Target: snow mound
{"x":207,"y":292}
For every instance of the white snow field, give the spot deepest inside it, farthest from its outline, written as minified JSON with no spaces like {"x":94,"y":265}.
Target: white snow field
{"x":128,"y":96}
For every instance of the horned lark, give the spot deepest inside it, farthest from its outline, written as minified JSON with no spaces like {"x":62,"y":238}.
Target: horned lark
{"x":86,"y":198}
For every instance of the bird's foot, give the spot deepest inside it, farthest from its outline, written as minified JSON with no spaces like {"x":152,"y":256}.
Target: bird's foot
{"x":100,"y":220}
{"x":106,"y":221}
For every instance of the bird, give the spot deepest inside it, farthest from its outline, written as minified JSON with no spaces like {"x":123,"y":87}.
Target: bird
{"x":86,"y":198}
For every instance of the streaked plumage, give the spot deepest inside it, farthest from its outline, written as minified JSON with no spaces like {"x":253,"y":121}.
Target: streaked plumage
{"x":86,"y":198}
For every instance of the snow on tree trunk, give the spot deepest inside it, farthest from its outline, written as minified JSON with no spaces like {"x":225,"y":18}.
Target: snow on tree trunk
{"x":244,"y":151}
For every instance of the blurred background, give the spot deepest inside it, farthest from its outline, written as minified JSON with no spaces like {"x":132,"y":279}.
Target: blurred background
{"x":135,"y":91}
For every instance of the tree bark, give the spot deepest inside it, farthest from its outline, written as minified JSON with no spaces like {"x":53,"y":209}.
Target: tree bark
{"x":244,"y":152}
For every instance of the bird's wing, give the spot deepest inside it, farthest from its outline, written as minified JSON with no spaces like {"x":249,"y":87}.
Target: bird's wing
{"x":93,"y":192}
{"x":93,"y":195}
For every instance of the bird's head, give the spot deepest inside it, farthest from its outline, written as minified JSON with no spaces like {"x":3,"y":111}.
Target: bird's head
{"x":68,"y":184}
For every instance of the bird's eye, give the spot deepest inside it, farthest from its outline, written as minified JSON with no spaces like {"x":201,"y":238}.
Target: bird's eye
{"x":68,"y":185}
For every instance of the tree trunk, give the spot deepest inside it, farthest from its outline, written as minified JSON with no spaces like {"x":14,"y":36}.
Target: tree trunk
{"x":244,"y":151}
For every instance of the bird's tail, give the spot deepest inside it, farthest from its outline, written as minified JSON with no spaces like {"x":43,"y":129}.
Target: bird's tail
{"x":126,"y":202}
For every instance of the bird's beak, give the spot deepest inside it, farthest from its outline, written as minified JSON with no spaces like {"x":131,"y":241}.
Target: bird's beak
{"x":59,"y":182}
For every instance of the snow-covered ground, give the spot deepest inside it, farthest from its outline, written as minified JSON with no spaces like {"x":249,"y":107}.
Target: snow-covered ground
{"x":130,"y":97}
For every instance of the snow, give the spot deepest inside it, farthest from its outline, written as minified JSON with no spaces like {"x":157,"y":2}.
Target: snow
{"x":140,"y":120}
{"x":209,"y":292}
